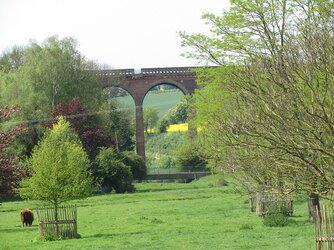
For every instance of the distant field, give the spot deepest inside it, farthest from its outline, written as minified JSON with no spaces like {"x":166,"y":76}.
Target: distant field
{"x":199,"y":215}
{"x":183,"y":127}
{"x":162,"y":101}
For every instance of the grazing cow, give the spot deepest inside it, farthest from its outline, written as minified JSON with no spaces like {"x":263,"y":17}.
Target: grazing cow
{"x":27,"y":217}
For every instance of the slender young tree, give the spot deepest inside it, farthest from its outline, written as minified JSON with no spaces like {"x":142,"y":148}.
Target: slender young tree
{"x":150,"y":119}
{"x":60,"y":168}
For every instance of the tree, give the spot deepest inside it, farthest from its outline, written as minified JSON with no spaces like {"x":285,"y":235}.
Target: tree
{"x":189,"y":157}
{"x":178,"y":114}
{"x":60,"y":168}
{"x":111,"y":171}
{"x":151,"y":117}
{"x":163,"y":125}
{"x":51,"y":73}
{"x":10,"y":174}
{"x":274,"y":87}
{"x":38,"y":77}
{"x":86,"y":125}
{"x":118,"y":122}
{"x":11,"y":59}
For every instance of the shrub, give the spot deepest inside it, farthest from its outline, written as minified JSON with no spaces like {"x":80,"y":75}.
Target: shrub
{"x":279,"y":207}
{"x":166,"y":161}
{"x":188,"y":157}
{"x":136,"y":163}
{"x":112,"y":173}
{"x":163,"y":125}
{"x":276,"y":220}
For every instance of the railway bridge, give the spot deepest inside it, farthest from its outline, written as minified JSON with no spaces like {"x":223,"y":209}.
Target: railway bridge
{"x":139,"y":83}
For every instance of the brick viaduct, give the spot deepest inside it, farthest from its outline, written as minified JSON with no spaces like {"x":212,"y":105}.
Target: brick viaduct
{"x":138,"y":84}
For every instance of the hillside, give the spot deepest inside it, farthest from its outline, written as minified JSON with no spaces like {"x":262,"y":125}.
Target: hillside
{"x":162,"y":100}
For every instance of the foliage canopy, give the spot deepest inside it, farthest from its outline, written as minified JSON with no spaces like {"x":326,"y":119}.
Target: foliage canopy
{"x":268,"y":109}
{"x":60,"y":167}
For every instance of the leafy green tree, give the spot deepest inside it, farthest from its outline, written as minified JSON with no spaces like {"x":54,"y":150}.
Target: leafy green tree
{"x":38,"y":77}
{"x":11,"y":59}
{"x":119,"y":123}
{"x":60,"y":168}
{"x":189,"y":157}
{"x":163,"y":125}
{"x":274,"y":88}
{"x":51,"y":73}
{"x":151,"y":117}
{"x":178,"y":114}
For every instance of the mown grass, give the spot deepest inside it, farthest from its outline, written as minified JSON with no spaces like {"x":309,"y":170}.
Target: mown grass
{"x":198,"y":215}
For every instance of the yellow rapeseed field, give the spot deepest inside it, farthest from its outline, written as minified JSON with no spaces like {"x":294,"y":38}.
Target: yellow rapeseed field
{"x":183,"y":127}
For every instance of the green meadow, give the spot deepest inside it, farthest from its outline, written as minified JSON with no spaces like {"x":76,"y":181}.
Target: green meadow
{"x":203,"y":214}
{"x":162,"y":100}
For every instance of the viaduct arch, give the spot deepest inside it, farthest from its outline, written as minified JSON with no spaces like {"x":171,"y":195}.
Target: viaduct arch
{"x":138,"y":84}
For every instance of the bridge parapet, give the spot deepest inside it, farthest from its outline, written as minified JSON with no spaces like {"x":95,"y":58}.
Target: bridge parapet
{"x":147,"y":72}
{"x":168,"y":71}
{"x":114,"y":72}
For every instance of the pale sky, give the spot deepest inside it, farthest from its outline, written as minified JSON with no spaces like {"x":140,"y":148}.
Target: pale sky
{"x":120,"y":33}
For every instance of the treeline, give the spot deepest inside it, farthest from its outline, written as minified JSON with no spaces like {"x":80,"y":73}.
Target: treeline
{"x":41,"y":82}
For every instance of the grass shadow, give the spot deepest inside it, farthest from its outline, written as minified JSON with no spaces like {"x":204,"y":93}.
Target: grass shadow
{"x":106,"y":235}
{"x":148,"y":190}
{"x":17,"y":229}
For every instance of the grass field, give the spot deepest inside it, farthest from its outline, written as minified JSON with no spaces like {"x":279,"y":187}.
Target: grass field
{"x":198,"y":215}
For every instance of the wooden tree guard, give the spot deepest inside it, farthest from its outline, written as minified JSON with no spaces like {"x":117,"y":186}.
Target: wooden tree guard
{"x":252,"y":201}
{"x":60,"y":224}
{"x":269,"y":202}
{"x":324,"y":227}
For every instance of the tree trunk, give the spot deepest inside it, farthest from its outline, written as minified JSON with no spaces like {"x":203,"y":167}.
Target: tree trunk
{"x":313,"y":205}
{"x":56,"y":220}
{"x":116,"y":142}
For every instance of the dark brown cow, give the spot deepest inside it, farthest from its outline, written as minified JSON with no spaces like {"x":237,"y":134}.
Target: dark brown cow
{"x":27,"y":217}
